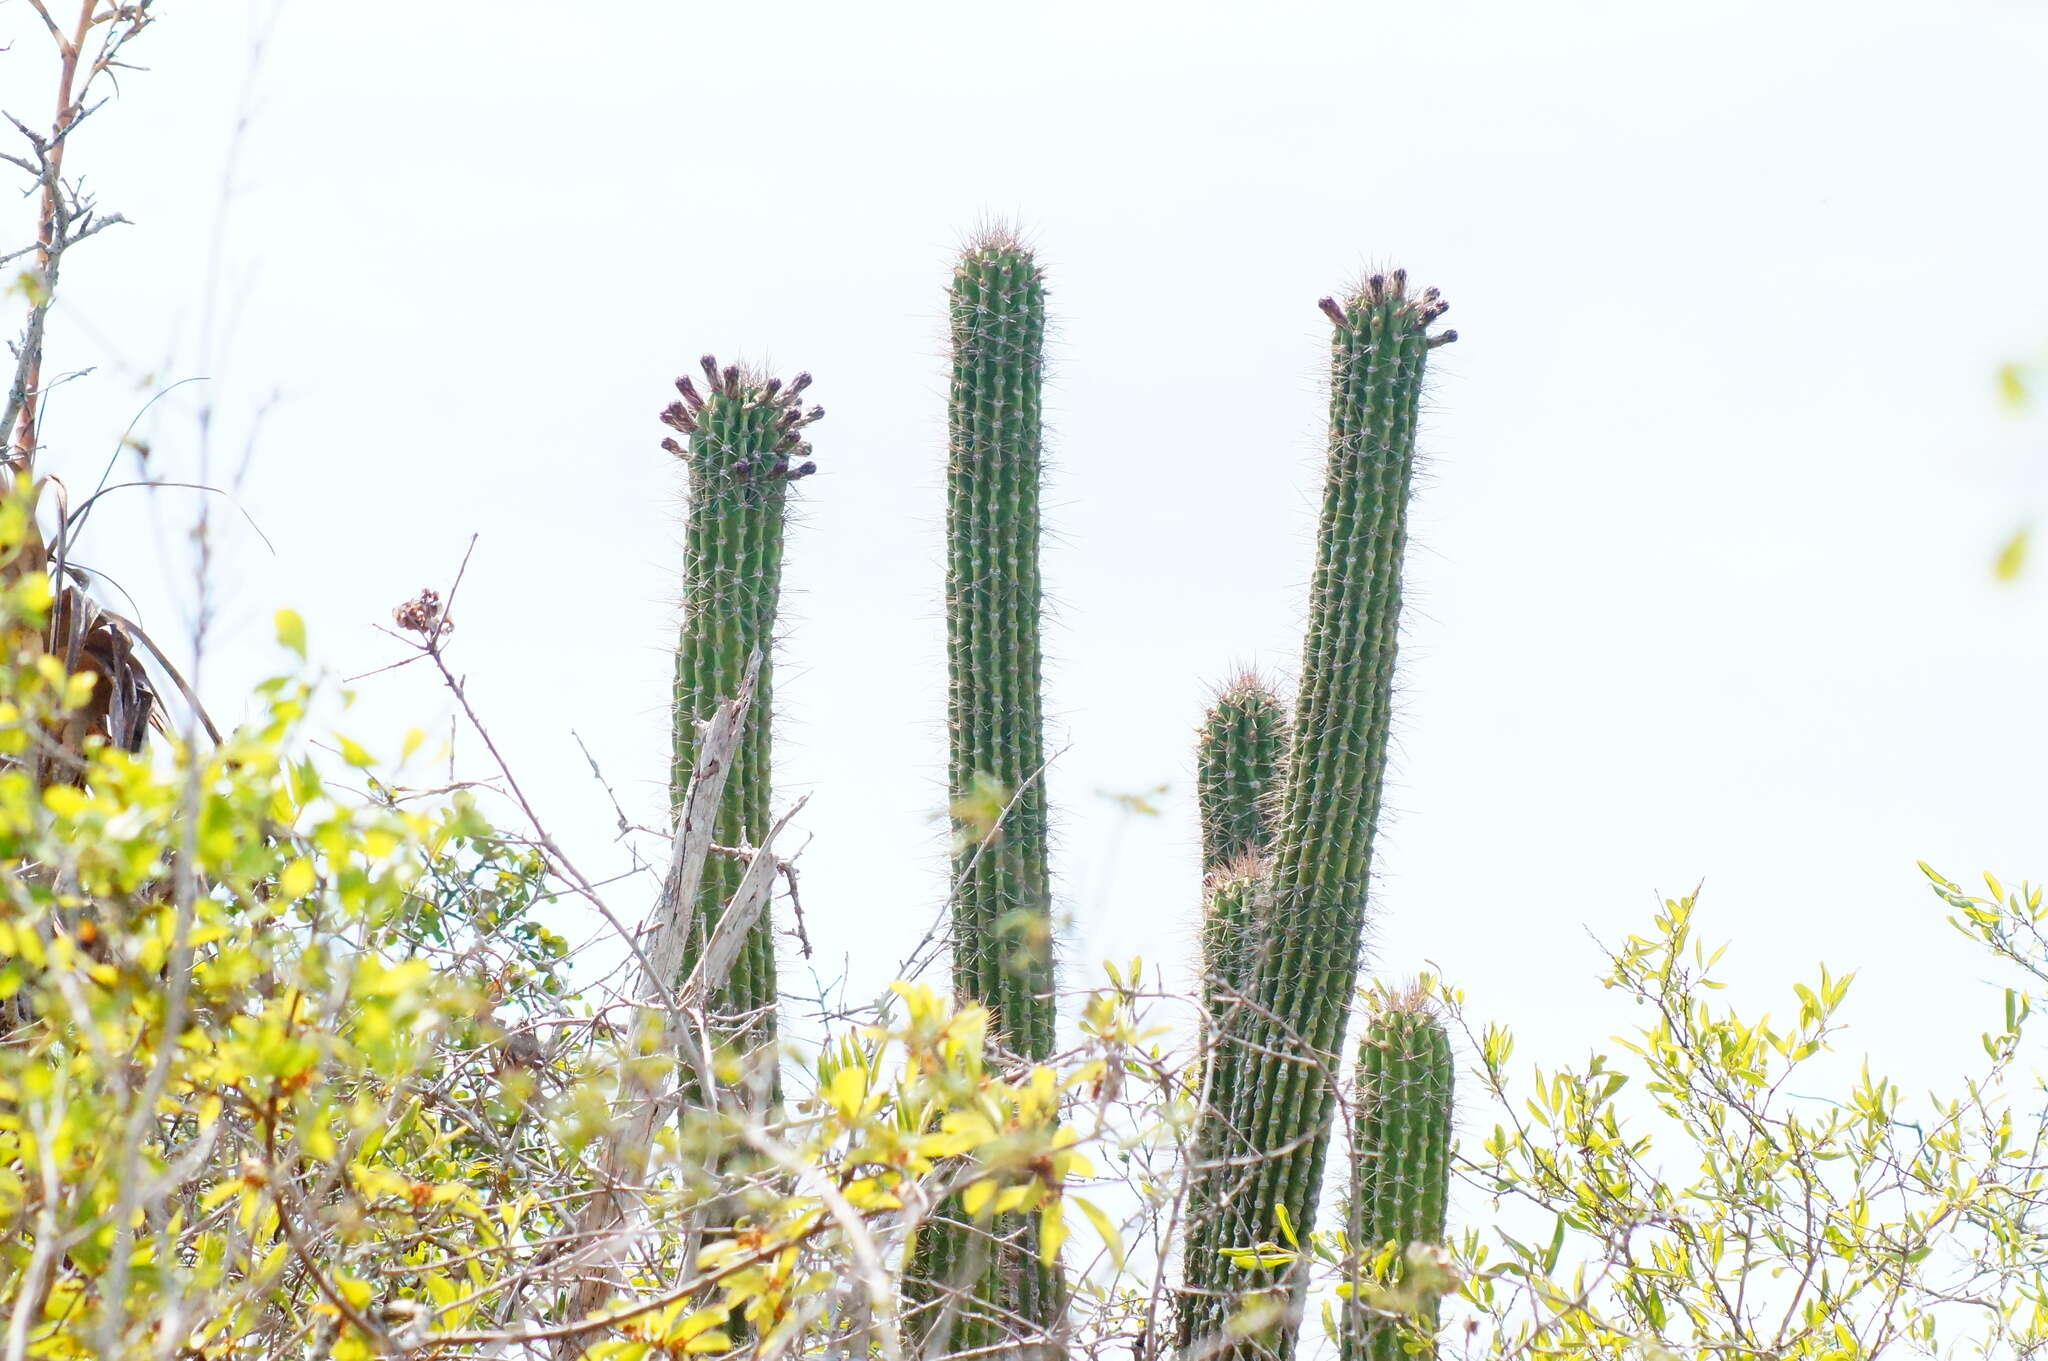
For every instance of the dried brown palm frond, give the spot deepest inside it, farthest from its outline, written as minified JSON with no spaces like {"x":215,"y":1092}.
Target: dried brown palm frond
{"x":88,"y":638}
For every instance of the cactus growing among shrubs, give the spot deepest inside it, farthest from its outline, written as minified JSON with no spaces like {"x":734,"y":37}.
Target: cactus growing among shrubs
{"x":1287,"y":817}
{"x":1002,"y":895}
{"x":1400,"y":1172}
{"x":743,"y":445}
{"x":1266,"y":1131}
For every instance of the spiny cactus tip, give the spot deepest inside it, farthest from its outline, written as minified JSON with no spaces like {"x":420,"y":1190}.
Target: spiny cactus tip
{"x":1250,"y":865}
{"x":994,"y":234}
{"x":1244,"y":683}
{"x":1409,"y":996}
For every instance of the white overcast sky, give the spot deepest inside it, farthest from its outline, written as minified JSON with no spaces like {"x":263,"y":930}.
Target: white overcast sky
{"x":1699,"y":585}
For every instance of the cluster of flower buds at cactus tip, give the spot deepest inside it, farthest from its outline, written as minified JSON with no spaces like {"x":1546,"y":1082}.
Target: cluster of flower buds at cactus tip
{"x":788,"y":457}
{"x":1392,"y":288}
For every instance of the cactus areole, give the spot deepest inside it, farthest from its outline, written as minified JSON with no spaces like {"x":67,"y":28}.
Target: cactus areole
{"x":1266,"y":1134}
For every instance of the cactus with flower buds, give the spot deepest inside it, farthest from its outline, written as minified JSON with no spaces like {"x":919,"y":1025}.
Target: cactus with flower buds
{"x":743,"y":444}
{"x":1266,"y":1133}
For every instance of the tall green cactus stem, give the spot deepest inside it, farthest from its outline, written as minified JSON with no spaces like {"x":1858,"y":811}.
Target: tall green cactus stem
{"x":1002,"y":934}
{"x":744,"y":446}
{"x":1400,"y":1173}
{"x":1237,"y":771}
{"x":1002,"y":899}
{"x":1268,"y":1134}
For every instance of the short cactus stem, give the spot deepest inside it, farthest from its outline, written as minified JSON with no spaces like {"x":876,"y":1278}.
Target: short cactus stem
{"x":1268,"y":1127}
{"x":743,"y":444}
{"x":1237,"y":771}
{"x":1400,"y":1180}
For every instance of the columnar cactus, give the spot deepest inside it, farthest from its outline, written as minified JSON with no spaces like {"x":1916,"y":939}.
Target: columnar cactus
{"x":1268,"y":1133}
{"x":1002,"y":899}
{"x":1002,"y":932}
{"x":1400,"y":1177}
{"x":743,"y":446}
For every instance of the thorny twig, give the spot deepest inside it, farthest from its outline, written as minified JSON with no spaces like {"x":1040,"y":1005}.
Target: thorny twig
{"x":67,"y":215}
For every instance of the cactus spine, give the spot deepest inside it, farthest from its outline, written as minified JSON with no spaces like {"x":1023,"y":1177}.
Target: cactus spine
{"x":1400,"y":1168}
{"x":744,"y":446}
{"x":1271,"y":1126}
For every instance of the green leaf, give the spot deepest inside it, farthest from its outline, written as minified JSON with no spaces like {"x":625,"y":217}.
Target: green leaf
{"x":291,"y":632}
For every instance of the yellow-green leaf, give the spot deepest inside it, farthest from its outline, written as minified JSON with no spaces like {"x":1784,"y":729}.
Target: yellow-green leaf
{"x":2012,"y":555}
{"x":1111,"y":1237}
